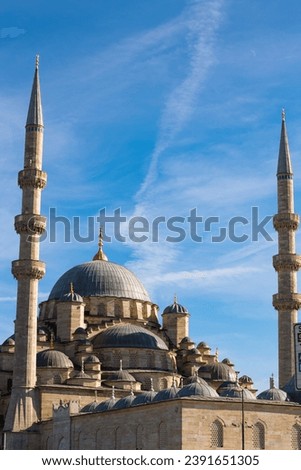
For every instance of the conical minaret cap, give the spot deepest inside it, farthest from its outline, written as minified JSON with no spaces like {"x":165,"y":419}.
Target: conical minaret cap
{"x":35,"y":114}
{"x":284,"y":159}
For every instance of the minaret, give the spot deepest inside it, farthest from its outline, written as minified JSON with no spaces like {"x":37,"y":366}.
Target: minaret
{"x":28,"y":269}
{"x":287,"y":301}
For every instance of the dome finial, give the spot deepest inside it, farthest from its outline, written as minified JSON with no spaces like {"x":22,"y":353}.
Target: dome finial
{"x":272,"y":381}
{"x":100,"y":256}
{"x":175,"y":299}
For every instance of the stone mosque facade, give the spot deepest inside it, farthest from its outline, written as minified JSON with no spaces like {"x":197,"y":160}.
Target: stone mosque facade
{"x":93,"y":367}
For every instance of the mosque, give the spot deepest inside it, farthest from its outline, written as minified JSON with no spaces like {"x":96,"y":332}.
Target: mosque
{"x":93,"y":367}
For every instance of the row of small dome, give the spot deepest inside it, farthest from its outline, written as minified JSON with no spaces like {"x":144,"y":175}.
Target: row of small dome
{"x":196,"y":387}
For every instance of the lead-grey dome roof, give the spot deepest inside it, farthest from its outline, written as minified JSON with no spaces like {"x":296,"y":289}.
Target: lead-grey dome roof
{"x":100,"y":278}
{"x":273,"y":393}
{"x":197,"y":388}
{"x":127,"y":335}
{"x":52,"y":358}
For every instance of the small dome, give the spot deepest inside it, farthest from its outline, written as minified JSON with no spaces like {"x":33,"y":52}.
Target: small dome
{"x":80,"y":331}
{"x":9,"y":341}
{"x":71,"y":297}
{"x":100,"y":278}
{"x":106,"y":405}
{"x":81,"y":375}
{"x":126,"y":335}
{"x":90,"y":407}
{"x":92,"y":359}
{"x":245,"y":379}
{"x":52,"y":358}
{"x":120,"y":376}
{"x":175,"y":308}
{"x":41,"y":331}
{"x":144,"y":397}
{"x":218,"y":371}
{"x":274,"y":394}
{"x":167,"y":393}
{"x":203,"y":346}
{"x":233,"y":390}
{"x":227,"y":361}
{"x":197,"y":388}
{"x":195,"y":351}
{"x":124,"y":402}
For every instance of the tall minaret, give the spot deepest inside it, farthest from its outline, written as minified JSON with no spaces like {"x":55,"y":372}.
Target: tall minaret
{"x":286,"y":263}
{"x":28,"y":269}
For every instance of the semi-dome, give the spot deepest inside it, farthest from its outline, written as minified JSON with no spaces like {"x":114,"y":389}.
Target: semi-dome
{"x":100,"y":278}
{"x":90,"y":407}
{"x":145,"y":397}
{"x":106,"y":404}
{"x":124,"y":402}
{"x":127,"y":335}
{"x":197,"y":388}
{"x":167,"y":393}
{"x":52,"y":358}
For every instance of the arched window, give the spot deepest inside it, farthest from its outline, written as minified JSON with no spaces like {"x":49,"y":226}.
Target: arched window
{"x":162,"y":436}
{"x":139,"y":437}
{"x":163,"y":383}
{"x":296,"y":437}
{"x":258,"y":436}
{"x":217,"y":434}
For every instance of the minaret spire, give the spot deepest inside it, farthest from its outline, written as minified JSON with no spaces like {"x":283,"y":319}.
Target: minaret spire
{"x":28,"y":270}
{"x":287,"y":263}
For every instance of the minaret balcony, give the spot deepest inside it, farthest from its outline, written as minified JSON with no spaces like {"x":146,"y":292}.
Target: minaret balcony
{"x":27,"y":268}
{"x":33,"y":224}
{"x":31,"y":177}
{"x":286,"y":221}
{"x":289,"y":262}
{"x":287,"y":302}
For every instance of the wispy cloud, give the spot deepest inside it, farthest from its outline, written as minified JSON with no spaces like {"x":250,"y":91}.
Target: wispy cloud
{"x":202,"y":22}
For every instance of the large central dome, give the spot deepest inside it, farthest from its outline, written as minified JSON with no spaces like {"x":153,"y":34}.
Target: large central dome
{"x":100,"y":278}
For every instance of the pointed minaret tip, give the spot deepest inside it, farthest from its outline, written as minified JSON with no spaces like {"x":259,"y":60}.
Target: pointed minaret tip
{"x":284,"y":159}
{"x":35,"y":114}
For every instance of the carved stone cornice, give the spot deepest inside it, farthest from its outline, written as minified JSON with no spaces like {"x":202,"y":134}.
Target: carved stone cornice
{"x":31,"y":177}
{"x":289,"y":262}
{"x":30,"y":223}
{"x":26,"y":268}
{"x":287,"y":302}
{"x":287,"y":221}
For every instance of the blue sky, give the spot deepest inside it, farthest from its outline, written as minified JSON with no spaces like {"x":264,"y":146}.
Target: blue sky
{"x":158,"y":108}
